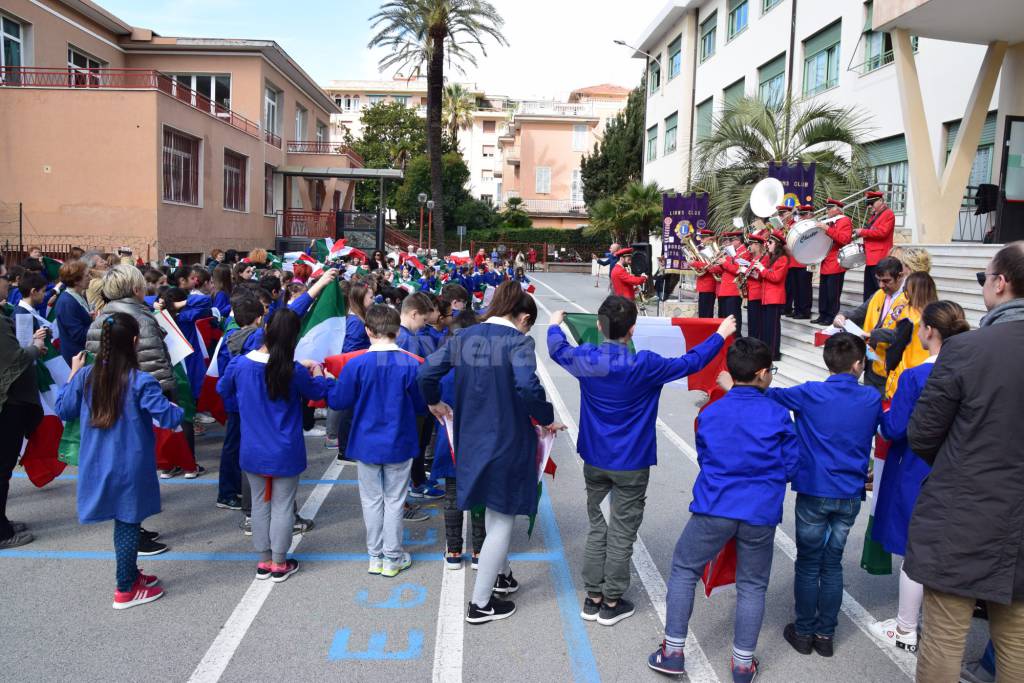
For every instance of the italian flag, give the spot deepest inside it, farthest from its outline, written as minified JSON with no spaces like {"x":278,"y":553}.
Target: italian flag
{"x":412,"y":260}
{"x":172,"y":262}
{"x":209,"y":400}
{"x":528,"y":287}
{"x":873,"y":558}
{"x":459,"y":258}
{"x":323,"y":327}
{"x":52,"y":267}
{"x":171,"y":445}
{"x":326,"y":249}
{"x":40,"y":455}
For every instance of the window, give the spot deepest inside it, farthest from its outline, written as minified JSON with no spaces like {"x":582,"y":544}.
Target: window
{"x":490,"y":126}
{"x":268,"y":190}
{"x":401,"y":99}
{"x":11,"y":36}
{"x":542,"y":180}
{"x":576,"y":189}
{"x":821,"y":60}
{"x":675,"y":57}
{"x":374,"y":99}
{"x":338,"y":102}
{"x":321,"y":132}
{"x":981,"y":169}
{"x":771,"y":78}
{"x":579,"y":137}
{"x":653,"y":76}
{"x":888,"y":162}
{"x":877,"y":44}
{"x":300,"y":122}
{"x":652,"y":143}
{"x":488,"y":151}
{"x":708,"y":29}
{"x":215,"y":88}
{"x":738,"y":16}
{"x":81,"y":68}
{"x":733,"y":93}
{"x":768,"y":4}
{"x":271,"y":110}
{"x":234,"y":181}
{"x":704,"y":119}
{"x":180,"y":168}
{"x":671,"y":128}
{"x":351,"y":102}
{"x":319,"y":195}
{"x":487,"y":199}
{"x":486,"y":174}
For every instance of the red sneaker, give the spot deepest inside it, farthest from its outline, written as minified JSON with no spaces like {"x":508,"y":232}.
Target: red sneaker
{"x":147,"y":580}
{"x":263,"y":570}
{"x":139,"y":595}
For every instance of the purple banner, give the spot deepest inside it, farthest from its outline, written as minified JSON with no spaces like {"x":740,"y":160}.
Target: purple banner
{"x":683,"y":215}
{"x":797,"y":179}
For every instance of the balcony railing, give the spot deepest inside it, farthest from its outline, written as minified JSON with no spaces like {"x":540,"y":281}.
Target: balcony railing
{"x":551,"y":206}
{"x":322,"y":147}
{"x":124,"y":79}
{"x":311,"y":224}
{"x":272,"y":139}
{"x":551,"y":108}
{"x":511,"y":154}
{"x":971,"y":227}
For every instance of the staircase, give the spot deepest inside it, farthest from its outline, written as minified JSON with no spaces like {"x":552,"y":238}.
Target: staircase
{"x":953,"y":269}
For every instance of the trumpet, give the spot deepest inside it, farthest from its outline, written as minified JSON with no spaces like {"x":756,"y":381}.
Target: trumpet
{"x":710,"y":254}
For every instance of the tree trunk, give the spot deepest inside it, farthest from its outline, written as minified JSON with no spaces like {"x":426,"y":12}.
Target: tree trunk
{"x":435,"y":87}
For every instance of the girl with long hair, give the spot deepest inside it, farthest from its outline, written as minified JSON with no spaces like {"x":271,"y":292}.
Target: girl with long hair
{"x":222,"y":286}
{"x":904,"y":472}
{"x":360,"y":298}
{"x":906,"y":350}
{"x":116,"y":405}
{"x":773,"y":292}
{"x":270,"y":389}
{"x":495,"y":441}
{"x":242,"y":272}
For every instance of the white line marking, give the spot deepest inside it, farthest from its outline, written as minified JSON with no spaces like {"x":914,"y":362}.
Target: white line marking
{"x":448,"y":640}
{"x":218,"y":656}
{"x":860,"y":616}
{"x":698,"y":667}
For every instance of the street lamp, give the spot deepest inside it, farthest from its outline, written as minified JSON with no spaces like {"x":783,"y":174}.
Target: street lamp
{"x":430,"y":224}
{"x":646,"y":54}
{"x":422,"y":197}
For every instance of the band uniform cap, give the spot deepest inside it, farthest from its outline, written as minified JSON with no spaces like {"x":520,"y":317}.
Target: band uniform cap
{"x":760,"y":236}
{"x":625,"y":251}
{"x":705,"y":232}
{"x":733,"y":233}
{"x":874,"y":194}
{"x":834,"y":202}
{"x":806,"y":208}
{"x":782,"y":207}
{"x":778,"y":235}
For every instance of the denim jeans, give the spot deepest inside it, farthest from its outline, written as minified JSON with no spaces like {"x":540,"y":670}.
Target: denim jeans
{"x":229,"y":483}
{"x":822,"y":526}
{"x":702,"y":538}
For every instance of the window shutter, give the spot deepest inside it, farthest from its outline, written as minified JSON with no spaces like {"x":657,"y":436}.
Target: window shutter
{"x":888,"y":151}
{"x":823,"y":39}
{"x":988,"y":132}
{"x":704,"y":120}
{"x":733,"y":92}
{"x":868,"y":15}
{"x":675,"y":46}
{"x":776,"y":67}
{"x":708,"y":24}
{"x":733,"y":4}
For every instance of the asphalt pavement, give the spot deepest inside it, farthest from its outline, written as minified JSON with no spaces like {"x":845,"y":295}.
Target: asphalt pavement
{"x":333,"y":621}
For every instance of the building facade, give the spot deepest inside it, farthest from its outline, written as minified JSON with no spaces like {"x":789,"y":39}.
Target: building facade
{"x":114,"y":135}
{"x":702,"y":53}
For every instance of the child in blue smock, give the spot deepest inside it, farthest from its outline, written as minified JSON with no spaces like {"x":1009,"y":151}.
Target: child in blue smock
{"x":379,"y":387}
{"x":270,"y":389}
{"x":904,"y":472}
{"x":116,"y":405}
{"x":747,"y":451}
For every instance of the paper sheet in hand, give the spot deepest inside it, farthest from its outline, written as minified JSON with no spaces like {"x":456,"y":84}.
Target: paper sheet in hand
{"x":449,"y":427}
{"x":545,"y":442}
{"x":23,"y":329}
{"x":854,"y":328}
{"x":177,"y":346}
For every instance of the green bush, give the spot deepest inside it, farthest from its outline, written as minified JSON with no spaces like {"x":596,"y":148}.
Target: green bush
{"x":536,"y":236}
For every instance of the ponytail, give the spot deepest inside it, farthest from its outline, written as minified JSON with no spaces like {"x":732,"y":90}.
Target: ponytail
{"x":282,"y":335}
{"x":945,"y":317}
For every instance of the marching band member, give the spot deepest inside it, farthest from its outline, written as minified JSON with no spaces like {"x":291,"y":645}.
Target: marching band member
{"x":729,"y":300}
{"x":877,"y":236}
{"x":773,"y":297}
{"x":832,"y":274}
{"x":707,"y":285}
{"x":798,"y":279}
{"x":624,"y":281}
{"x":755,"y":284}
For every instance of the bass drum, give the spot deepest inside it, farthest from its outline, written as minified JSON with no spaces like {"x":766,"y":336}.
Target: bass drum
{"x":852,"y":256}
{"x":808,"y":243}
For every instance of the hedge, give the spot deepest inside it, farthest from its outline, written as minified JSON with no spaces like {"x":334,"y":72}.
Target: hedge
{"x":535,"y":235}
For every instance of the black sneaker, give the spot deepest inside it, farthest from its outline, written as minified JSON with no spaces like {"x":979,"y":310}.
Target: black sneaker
{"x":495,"y":609}
{"x":802,"y":644}
{"x":150,"y":547}
{"x":823,"y":645}
{"x":301,"y":525}
{"x":146,"y":533}
{"x":505,"y":584}
{"x":609,"y":616}
{"x":590,"y":609}
{"x":232,"y":503}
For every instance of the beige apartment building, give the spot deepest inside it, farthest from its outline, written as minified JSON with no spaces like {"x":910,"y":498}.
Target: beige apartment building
{"x":115,"y":135}
{"x":542,"y":146}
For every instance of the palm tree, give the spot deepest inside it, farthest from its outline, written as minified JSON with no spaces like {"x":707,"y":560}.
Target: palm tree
{"x":631,"y":215}
{"x":749,"y":133}
{"x":457,"y":107}
{"x":422,"y":33}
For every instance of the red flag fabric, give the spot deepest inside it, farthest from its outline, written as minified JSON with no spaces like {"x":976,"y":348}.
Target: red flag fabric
{"x":695,"y":331}
{"x":172,"y":450}
{"x":210,"y":401}
{"x":40,"y":458}
{"x":721,"y":571}
{"x":210,"y":332}
{"x":411,"y":260}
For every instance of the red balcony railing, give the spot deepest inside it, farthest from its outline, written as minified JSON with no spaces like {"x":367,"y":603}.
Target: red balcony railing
{"x":311,"y":224}
{"x":124,"y":79}
{"x":272,"y":139}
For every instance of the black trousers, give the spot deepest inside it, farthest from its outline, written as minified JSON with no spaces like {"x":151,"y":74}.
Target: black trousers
{"x":705,"y":304}
{"x":870,"y":284}
{"x":732,"y":305}
{"x":17,"y":421}
{"x":754,"y":319}
{"x":829,"y":291}
{"x":425,"y":427}
{"x":453,"y":517}
{"x":798,"y":293}
{"x":771,"y":327}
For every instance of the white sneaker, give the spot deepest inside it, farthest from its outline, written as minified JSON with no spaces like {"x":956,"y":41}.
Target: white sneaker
{"x":376,"y":565}
{"x":204,"y":418}
{"x":888,"y":632}
{"x":314,"y":432}
{"x":320,"y":414}
{"x":393,"y":567}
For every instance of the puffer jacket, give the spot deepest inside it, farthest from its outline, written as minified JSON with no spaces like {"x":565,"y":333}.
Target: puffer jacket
{"x":153,"y":357}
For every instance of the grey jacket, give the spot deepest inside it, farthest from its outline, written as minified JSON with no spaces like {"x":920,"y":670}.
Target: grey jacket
{"x":153,"y":357}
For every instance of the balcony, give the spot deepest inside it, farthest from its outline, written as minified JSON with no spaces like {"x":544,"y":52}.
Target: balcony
{"x":307,"y":224}
{"x":561,"y":109}
{"x":124,"y":79}
{"x":548,"y":207}
{"x":272,"y":139}
{"x":511,"y":155}
{"x":322,"y":147}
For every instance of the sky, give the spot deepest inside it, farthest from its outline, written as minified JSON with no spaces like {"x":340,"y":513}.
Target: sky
{"x":554,"y":47}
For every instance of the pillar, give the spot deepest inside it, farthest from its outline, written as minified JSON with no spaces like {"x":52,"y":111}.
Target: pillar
{"x":1011,"y":100}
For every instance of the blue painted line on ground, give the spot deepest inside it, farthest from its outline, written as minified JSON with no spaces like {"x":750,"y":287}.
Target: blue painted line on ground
{"x":210,"y":481}
{"x":184,"y":556}
{"x":581,"y":656}
{"x":376,"y":648}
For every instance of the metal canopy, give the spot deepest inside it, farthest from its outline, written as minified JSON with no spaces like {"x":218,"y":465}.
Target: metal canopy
{"x":343,"y":173}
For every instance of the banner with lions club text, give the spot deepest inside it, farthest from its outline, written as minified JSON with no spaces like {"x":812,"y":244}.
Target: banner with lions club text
{"x":682,"y":216}
{"x":797,"y":179}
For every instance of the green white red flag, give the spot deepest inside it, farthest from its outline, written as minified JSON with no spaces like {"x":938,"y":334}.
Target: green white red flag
{"x":323,"y":327}
{"x":39,"y":457}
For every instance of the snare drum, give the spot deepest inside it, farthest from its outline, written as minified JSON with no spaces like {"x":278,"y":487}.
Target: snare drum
{"x":852,"y":256}
{"x":808,"y":243}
